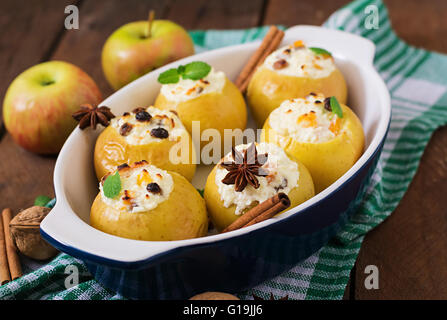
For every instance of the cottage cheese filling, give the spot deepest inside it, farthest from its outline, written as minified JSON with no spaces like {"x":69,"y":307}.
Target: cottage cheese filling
{"x":137,"y":129}
{"x":283,"y":176}
{"x":135,"y":195}
{"x":306,"y":120}
{"x":297,"y":60}
{"x":187,"y":89}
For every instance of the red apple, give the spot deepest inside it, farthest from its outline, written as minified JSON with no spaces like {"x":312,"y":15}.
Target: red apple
{"x":131,"y":51}
{"x":39,"y":103}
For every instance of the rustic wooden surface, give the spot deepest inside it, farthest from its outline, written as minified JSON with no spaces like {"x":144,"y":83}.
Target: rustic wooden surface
{"x":409,"y":248}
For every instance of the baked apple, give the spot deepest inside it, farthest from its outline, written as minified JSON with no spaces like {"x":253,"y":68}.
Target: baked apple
{"x":144,"y":202}
{"x":213,"y":100}
{"x":157,"y":136}
{"x":327,"y":137}
{"x":293,"y":72}
{"x":229,"y":193}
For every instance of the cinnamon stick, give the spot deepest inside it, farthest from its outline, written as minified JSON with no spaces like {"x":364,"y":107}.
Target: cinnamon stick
{"x":261,"y":212}
{"x":5,"y":276}
{"x":283,"y":204}
{"x":11,"y":252}
{"x":269,"y":44}
{"x":273,"y":45}
{"x":256,"y":56}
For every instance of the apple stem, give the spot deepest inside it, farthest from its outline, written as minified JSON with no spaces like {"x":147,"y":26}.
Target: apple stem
{"x":150,"y":20}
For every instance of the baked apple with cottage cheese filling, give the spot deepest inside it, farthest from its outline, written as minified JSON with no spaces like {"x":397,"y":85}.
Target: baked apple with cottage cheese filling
{"x":292,"y":72}
{"x":144,"y":202}
{"x":251,"y":174}
{"x":207,"y":96}
{"x":326,"y":136}
{"x":157,"y":136}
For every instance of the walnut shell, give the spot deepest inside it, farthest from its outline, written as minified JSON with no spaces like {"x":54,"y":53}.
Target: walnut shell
{"x":214,"y":296}
{"x":25,"y":233}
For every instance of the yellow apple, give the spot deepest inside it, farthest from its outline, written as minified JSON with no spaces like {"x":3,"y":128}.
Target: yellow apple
{"x":215,"y":110}
{"x":326,"y":161}
{"x":181,"y":216}
{"x":268,"y":89}
{"x":112,"y":150}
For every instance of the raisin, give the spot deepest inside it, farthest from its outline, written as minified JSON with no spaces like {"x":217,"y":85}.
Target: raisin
{"x":143,"y":116}
{"x":123,"y":166}
{"x":153,"y":187}
{"x":125,"y":129}
{"x":280,"y":64}
{"x":160,"y":133}
{"x":126,"y":197}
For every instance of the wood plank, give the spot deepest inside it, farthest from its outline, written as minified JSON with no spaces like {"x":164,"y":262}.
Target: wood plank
{"x":23,"y":176}
{"x":292,"y":12}
{"x":30,"y":29}
{"x":409,"y":247}
{"x":420,"y":24}
{"x":98,"y":19}
{"x":221,"y":14}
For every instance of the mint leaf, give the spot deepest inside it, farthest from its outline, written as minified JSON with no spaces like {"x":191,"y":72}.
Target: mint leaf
{"x":320,"y":51}
{"x":41,"y":201}
{"x":112,"y":186}
{"x":181,"y":69}
{"x":196,"y":70}
{"x":169,"y":76}
{"x":336,"y":107}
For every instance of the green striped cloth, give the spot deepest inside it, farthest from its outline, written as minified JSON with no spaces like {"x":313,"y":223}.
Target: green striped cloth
{"x":418,"y":86}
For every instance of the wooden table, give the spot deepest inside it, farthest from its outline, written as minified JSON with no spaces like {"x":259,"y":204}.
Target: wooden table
{"x":409,"y":248}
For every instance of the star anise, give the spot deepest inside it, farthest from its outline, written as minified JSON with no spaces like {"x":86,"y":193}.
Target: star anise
{"x":244,"y":168}
{"x":89,"y":115}
{"x":255,"y":297}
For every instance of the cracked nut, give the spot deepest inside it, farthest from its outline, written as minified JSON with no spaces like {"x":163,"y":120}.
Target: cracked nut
{"x":26,"y":236}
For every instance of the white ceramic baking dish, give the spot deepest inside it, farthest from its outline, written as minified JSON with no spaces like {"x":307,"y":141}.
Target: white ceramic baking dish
{"x":67,"y":226}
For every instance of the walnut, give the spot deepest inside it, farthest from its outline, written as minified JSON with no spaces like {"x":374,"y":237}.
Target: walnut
{"x":26,"y":236}
{"x":214,"y":296}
